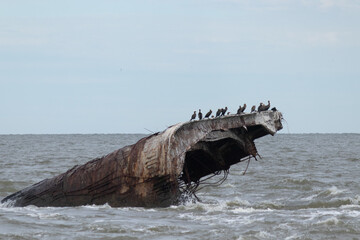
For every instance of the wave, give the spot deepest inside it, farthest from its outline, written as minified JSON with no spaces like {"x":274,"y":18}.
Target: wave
{"x":314,"y":204}
{"x":323,"y":199}
{"x":96,"y":207}
{"x":7,"y":204}
{"x":333,"y":190}
{"x":329,"y":221}
{"x":299,"y":181}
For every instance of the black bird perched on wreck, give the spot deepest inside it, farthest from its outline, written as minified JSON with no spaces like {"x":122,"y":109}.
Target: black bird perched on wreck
{"x":200,"y":114}
{"x":241,"y":109}
{"x":208,"y":114}
{"x":266,"y":107}
{"x":253,"y":108}
{"x":193,"y":116}
{"x":218,"y":112}
{"x":223,"y":111}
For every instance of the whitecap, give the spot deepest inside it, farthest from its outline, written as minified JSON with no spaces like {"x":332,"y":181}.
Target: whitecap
{"x":203,"y":218}
{"x":263,"y":234}
{"x":97,"y":207}
{"x":210,"y":208}
{"x":7,"y":204}
{"x":355,"y":200}
{"x":330,"y":221}
{"x":237,"y":202}
{"x":354,"y":213}
{"x":311,"y":197}
{"x":243,"y":210}
{"x":250,"y":210}
{"x":295,"y":236}
{"x":53,"y":216}
{"x":335,"y":191}
{"x":204,"y":207}
{"x":229,"y":185}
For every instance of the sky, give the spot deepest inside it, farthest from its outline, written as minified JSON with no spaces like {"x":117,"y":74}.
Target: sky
{"x":132,"y":66}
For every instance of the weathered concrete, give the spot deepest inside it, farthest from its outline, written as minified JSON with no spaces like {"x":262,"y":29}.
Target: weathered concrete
{"x":150,"y":172}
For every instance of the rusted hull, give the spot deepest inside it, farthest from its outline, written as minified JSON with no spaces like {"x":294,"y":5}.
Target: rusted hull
{"x":156,"y":170}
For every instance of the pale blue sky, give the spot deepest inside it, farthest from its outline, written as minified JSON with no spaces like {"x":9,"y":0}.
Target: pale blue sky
{"x":123,"y":66}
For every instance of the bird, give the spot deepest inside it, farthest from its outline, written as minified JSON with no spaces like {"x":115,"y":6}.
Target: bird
{"x":274,"y":109}
{"x":260,"y":107}
{"x":208,"y":114}
{"x":223,"y":111}
{"x":200,"y":114}
{"x":253,"y":109}
{"x":266,"y":107}
{"x":193,"y":116}
{"x":239,"y":110}
{"x":218,"y":112}
{"x":242,"y":109}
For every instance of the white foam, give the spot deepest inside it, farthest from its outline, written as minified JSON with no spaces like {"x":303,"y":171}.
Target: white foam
{"x":250,"y":210}
{"x":295,"y":236}
{"x":311,"y":197}
{"x":354,"y":213}
{"x":243,"y":210}
{"x":329,"y":221}
{"x":97,"y":207}
{"x":229,"y":185}
{"x":263,"y":234}
{"x":203,"y":218}
{"x":7,"y":204}
{"x":355,"y":200}
{"x":335,"y":191}
{"x":238,"y":202}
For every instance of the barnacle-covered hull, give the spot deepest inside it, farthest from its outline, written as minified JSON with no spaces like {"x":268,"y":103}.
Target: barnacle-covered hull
{"x":158,"y":169}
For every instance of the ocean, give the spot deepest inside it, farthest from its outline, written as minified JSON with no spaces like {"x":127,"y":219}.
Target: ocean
{"x":306,"y":186}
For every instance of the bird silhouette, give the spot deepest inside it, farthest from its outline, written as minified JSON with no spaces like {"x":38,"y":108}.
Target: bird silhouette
{"x":260,"y":107}
{"x":208,"y":114}
{"x":223,"y":111}
{"x":253,"y":108}
{"x":218,"y":112}
{"x":193,"y":116}
{"x":241,"y":109}
{"x":266,"y":107}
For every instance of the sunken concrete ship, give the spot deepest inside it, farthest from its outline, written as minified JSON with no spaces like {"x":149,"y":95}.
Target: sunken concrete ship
{"x":159,"y":169}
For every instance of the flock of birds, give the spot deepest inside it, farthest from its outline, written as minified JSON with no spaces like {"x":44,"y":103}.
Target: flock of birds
{"x":222,"y":111}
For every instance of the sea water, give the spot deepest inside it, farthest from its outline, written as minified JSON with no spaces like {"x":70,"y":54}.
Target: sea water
{"x":306,"y":186}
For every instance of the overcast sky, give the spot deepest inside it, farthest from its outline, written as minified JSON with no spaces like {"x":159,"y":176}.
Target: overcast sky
{"x":111,"y":66}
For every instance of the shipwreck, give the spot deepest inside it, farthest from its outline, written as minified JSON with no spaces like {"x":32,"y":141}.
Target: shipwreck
{"x":159,"y":169}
